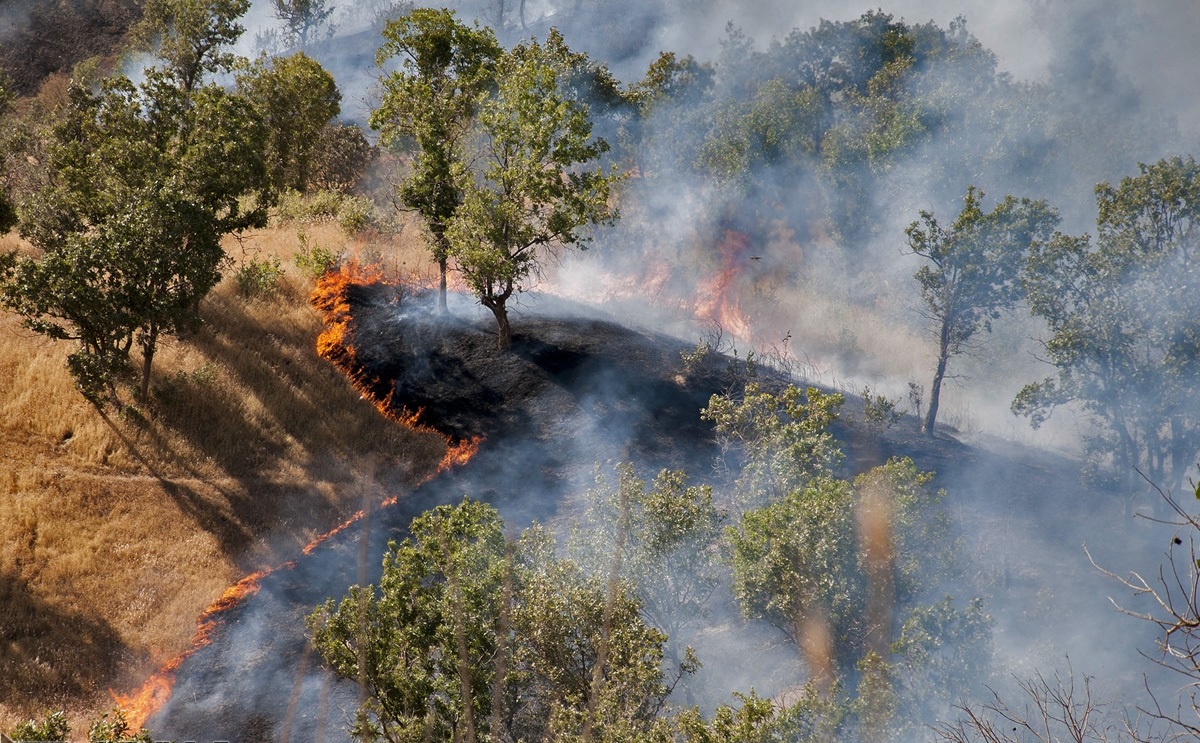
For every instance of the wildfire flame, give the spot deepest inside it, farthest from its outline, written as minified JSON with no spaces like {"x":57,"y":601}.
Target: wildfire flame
{"x":156,"y":690}
{"x":331,"y":300}
{"x":718,"y":297}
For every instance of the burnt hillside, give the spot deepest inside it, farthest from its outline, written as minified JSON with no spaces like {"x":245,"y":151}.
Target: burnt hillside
{"x":576,"y":390}
{"x":41,"y":37}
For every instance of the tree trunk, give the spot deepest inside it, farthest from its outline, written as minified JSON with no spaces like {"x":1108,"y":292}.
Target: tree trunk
{"x":442,"y":285}
{"x":148,"y":347}
{"x":503,"y":329}
{"x":935,"y":389}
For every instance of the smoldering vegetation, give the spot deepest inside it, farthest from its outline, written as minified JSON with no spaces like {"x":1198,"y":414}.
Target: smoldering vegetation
{"x":772,"y":177}
{"x":579,"y":389}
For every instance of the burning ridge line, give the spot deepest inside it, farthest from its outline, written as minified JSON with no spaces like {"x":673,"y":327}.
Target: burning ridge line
{"x":330,"y":299}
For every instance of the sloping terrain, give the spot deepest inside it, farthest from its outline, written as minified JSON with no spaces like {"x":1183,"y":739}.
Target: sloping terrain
{"x":118,"y":530}
{"x":574,"y":391}
{"x":41,"y":37}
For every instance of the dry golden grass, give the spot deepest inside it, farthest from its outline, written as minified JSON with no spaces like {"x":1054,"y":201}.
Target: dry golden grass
{"x":117,"y":531}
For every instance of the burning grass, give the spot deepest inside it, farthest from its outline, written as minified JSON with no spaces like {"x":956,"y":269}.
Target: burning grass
{"x":117,"y":532}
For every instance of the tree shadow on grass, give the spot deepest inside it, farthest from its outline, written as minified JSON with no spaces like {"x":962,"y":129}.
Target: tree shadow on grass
{"x":49,"y":654}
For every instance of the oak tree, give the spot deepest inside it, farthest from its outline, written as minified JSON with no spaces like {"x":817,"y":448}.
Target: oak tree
{"x":428,"y":105}
{"x":191,"y":36}
{"x":472,"y":637}
{"x":1124,"y":317}
{"x":972,"y":273}
{"x":145,"y":181}
{"x":296,"y":98}
{"x":539,"y":184}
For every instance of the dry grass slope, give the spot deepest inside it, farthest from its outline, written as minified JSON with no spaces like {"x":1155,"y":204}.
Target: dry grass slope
{"x":117,"y":531}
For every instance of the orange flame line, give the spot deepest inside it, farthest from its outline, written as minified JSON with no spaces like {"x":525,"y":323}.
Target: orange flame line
{"x":330,"y":298}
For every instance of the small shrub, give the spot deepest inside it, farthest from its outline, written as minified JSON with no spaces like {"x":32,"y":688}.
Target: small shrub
{"x":314,"y":261}
{"x":916,"y":397}
{"x":352,"y":213}
{"x":879,"y":411}
{"x":355,"y":214}
{"x":259,"y":277}
{"x":53,"y":727}
{"x":112,"y":727}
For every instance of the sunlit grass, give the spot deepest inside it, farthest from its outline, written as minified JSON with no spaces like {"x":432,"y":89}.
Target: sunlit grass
{"x":117,"y":531}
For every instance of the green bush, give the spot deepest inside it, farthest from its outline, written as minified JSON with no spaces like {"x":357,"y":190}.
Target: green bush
{"x":314,"y":261}
{"x":53,"y":727}
{"x":352,"y":213}
{"x":259,"y":277}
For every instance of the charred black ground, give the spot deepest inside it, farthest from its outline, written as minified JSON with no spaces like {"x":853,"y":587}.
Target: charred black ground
{"x":574,"y":391}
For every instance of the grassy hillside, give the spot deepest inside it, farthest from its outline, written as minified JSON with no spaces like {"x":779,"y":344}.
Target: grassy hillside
{"x":117,"y":531}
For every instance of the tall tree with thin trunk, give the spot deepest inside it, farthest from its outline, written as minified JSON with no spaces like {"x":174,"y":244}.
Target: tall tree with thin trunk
{"x":539,"y":183}
{"x":302,"y":18}
{"x":972,"y":273}
{"x":428,"y":106}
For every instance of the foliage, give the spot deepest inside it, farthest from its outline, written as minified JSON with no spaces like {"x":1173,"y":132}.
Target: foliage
{"x":942,"y":653}
{"x":428,"y":105}
{"x":352,"y":213}
{"x":812,"y":716}
{"x":971,"y":272}
{"x":668,"y":537}
{"x":795,"y":564}
{"x":313,"y":260}
{"x":146,"y":181}
{"x":1123,"y":316}
{"x":259,"y":277}
{"x":923,"y":551}
{"x":879,"y":411}
{"x":301,"y":18}
{"x":53,"y":727}
{"x":340,"y":158}
{"x":781,"y":440}
{"x":536,"y":191}
{"x":112,"y":727}
{"x":189,"y":36}
{"x":468,"y":632}
{"x":296,"y":98}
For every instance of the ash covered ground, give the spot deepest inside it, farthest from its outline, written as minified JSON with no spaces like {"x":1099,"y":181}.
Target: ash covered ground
{"x":578,"y":389}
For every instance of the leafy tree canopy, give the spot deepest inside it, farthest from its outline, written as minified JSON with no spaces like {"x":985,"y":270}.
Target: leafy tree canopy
{"x":189,"y":36}
{"x":296,"y":98}
{"x":1123,"y":313}
{"x":468,"y":632}
{"x":145,"y":181}
{"x":428,"y":107}
{"x":972,"y":271}
{"x":538,"y":186}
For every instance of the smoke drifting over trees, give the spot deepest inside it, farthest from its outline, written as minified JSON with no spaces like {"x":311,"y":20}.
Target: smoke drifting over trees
{"x":775,"y":158}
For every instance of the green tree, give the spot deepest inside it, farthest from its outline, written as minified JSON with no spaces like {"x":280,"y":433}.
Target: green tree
{"x":469,"y":633}
{"x":302,"y":18}
{"x":1125,"y":322}
{"x":146,"y":180}
{"x":669,"y":537}
{"x":777,"y":442}
{"x":1124,"y":318}
{"x":428,"y":106}
{"x":795,"y":565}
{"x":972,"y":272}
{"x":296,"y":98}
{"x":538,"y":186}
{"x":189,"y":36}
